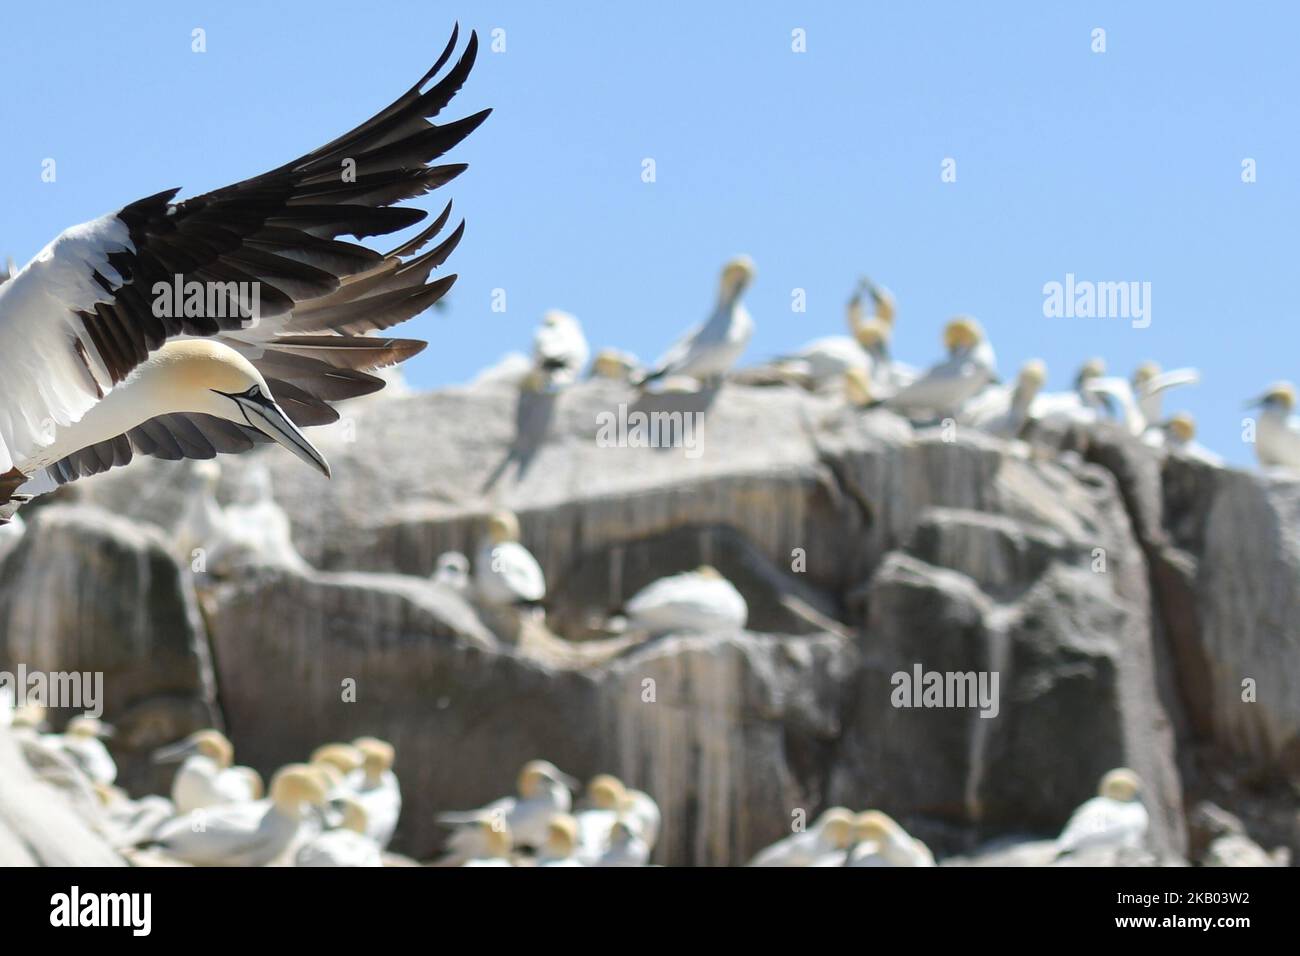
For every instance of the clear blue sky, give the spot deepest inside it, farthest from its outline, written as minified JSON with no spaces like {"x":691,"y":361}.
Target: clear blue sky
{"x":1124,"y":165}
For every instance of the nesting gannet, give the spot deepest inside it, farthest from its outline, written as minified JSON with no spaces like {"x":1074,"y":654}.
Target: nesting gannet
{"x":485,"y":843}
{"x":11,"y":532}
{"x":452,"y":570}
{"x":943,"y":387}
{"x":1150,"y":384}
{"x":1081,"y":406}
{"x":560,"y":352}
{"x":1115,"y":817}
{"x":375,"y":787}
{"x":505,"y":572}
{"x":693,"y":602}
{"x":882,"y":842}
{"x":202,"y":519}
{"x":615,"y":365}
{"x":1277,"y":432}
{"x":831,"y":833}
{"x":128,"y":822}
{"x":708,"y":351}
{"x":82,"y":741}
{"x":561,"y":842}
{"x":604,"y":799}
{"x":98,"y":355}
{"x":245,"y":834}
{"x":1178,"y":434}
{"x":254,"y":529}
{"x":625,"y":846}
{"x":206,"y":777}
{"x":347,"y":845}
{"x":1004,"y":410}
{"x":544,"y":792}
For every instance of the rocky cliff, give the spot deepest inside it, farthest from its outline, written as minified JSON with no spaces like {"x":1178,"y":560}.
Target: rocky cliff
{"x":1137,"y":610}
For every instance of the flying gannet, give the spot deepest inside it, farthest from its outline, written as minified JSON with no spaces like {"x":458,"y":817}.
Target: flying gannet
{"x":544,"y":792}
{"x":181,"y":330}
{"x":346,"y":845}
{"x":882,"y":842}
{"x":560,"y":352}
{"x":693,"y":602}
{"x":375,"y":787}
{"x":942,"y":388}
{"x":830,"y":834}
{"x":206,"y":777}
{"x":245,"y":834}
{"x":1277,"y":432}
{"x":1003,"y":410}
{"x":1115,"y":817}
{"x":708,"y":351}
{"x":82,"y":740}
{"x":505,"y":572}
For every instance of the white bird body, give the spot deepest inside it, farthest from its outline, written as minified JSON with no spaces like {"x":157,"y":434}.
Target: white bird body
{"x":700,"y":601}
{"x":1003,"y":410}
{"x":942,"y":388}
{"x":625,"y":847}
{"x":594,"y":827}
{"x":254,"y":529}
{"x":505,"y":572}
{"x":560,"y":350}
{"x":200,"y":782}
{"x":1277,"y":439}
{"x":895,"y":851}
{"x":829,"y":834}
{"x":452,"y":571}
{"x":382,"y":800}
{"x":708,"y":351}
{"x":1066,"y":408}
{"x":340,"y":847}
{"x":823,"y":362}
{"x":527,"y":818}
{"x":1125,"y":402}
{"x":89,"y":754}
{"x":641,"y":808}
{"x":1103,"y":821}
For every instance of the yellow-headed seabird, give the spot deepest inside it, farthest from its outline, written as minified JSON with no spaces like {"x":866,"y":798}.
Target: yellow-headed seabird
{"x":375,"y":787}
{"x":693,"y":602}
{"x":346,"y":845}
{"x":941,"y":389}
{"x":183,"y":330}
{"x":561,"y":842}
{"x":830,"y":835}
{"x":82,"y":740}
{"x":1113,"y":818}
{"x":707,"y":352}
{"x":1003,"y":410}
{"x":505,"y":572}
{"x":1179,"y":436}
{"x":544,"y":792}
{"x":1277,"y":432}
{"x":560,"y":352}
{"x":1150,"y":384}
{"x":882,"y":842}
{"x":206,"y":777}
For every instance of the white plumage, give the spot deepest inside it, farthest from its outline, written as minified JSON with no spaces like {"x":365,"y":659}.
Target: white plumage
{"x":505,"y":572}
{"x":831,"y":834}
{"x":693,"y":602}
{"x":941,"y":389}
{"x":560,"y":350}
{"x":708,"y":351}
{"x":1113,"y":818}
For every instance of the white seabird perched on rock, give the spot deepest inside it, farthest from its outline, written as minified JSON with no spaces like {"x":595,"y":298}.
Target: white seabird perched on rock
{"x":693,"y":602}
{"x":942,"y":388}
{"x":452,"y":571}
{"x":102,"y":354}
{"x":82,"y":740}
{"x":254,"y":529}
{"x":708,"y":351}
{"x":882,"y":842}
{"x":544,"y":792}
{"x":828,"y":837}
{"x":346,"y":845}
{"x":1277,"y":431}
{"x":1178,"y":435}
{"x":1081,"y":406}
{"x":206,"y":776}
{"x":560,"y":352}
{"x":1003,"y":410}
{"x":625,"y":846}
{"x":488,"y":844}
{"x":1150,"y":384}
{"x":1113,"y":818}
{"x":375,"y":787}
{"x":505,"y":572}
{"x":245,"y":834}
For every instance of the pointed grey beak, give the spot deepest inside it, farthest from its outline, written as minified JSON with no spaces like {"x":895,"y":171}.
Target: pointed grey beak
{"x":174,"y":753}
{"x":269,"y":418}
{"x":1255,"y":402}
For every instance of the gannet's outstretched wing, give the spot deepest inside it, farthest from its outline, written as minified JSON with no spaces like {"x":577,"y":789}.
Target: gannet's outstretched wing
{"x":78,"y":318}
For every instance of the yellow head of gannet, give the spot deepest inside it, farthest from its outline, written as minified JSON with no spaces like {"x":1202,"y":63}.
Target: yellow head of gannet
{"x":1093,"y":368}
{"x":296,"y":784}
{"x":857,"y":387}
{"x":874,"y":825}
{"x":606,"y":792}
{"x":329,"y":775}
{"x":256,"y":788}
{"x":29,"y":716}
{"x":1121,"y":784}
{"x":344,"y":757}
{"x":212,"y":744}
{"x":355,"y":817}
{"x":503,"y":526}
{"x":737,"y":275}
{"x":535,"y":773}
{"x":612,"y":364}
{"x":497,"y":837}
{"x":1182,"y":427}
{"x":836,"y":826}
{"x":1033,"y":376}
{"x":87,"y":728}
{"x":377,"y":756}
{"x":962,"y":332}
{"x":206,"y":377}
{"x":1279,"y":395}
{"x":870,"y":333}
{"x":709,"y":572}
{"x":1145,"y":373}
{"x":561,"y":835}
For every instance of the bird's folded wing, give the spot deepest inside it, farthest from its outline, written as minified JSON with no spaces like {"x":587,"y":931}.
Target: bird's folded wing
{"x":84,"y":316}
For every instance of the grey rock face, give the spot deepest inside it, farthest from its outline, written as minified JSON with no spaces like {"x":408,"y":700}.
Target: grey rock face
{"x":1119,"y":601}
